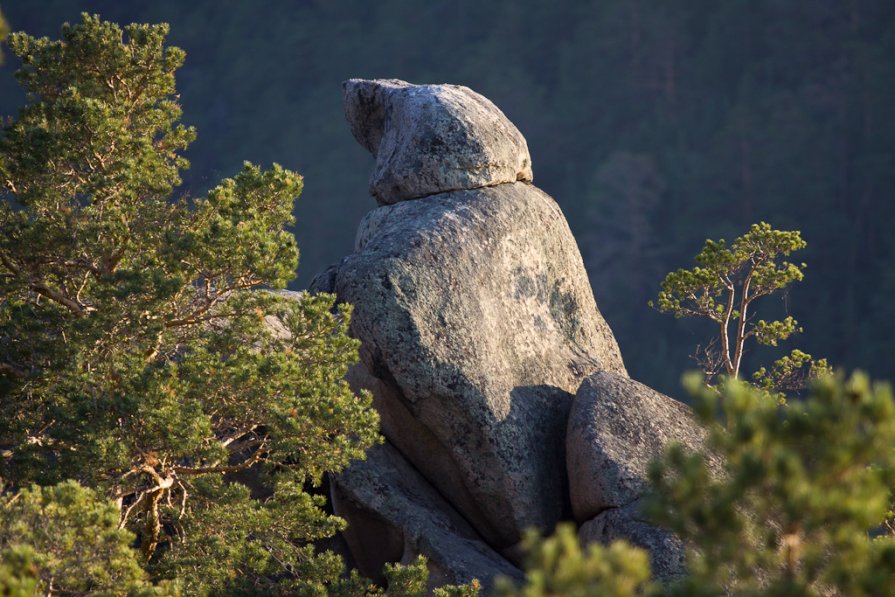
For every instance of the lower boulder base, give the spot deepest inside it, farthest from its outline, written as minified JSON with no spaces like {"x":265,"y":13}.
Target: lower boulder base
{"x":394,"y":514}
{"x":667,"y":552}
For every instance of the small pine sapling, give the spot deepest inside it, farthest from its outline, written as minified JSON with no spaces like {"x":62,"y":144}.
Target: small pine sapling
{"x":723,"y":288}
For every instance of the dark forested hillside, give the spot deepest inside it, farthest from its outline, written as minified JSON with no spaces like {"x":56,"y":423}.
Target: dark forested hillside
{"x":655,"y":125}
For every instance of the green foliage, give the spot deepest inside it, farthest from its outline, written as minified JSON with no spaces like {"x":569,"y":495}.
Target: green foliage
{"x":790,"y":514}
{"x":241,"y":546}
{"x":471,"y":589}
{"x":143,"y":351}
{"x":402,"y":580}
{"x":722,"y":288}
{"x":65,"y":539}
{"x":558,"y":566}
{"x":411,"y":580}
{"x":407,"y":580}
{"x":790,"y":373}
{"x":18,"y":572}
{"x":803,"y":485}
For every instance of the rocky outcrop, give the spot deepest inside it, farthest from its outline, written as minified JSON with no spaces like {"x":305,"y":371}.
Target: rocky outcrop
{"x":429,"y":139}
{"x":476,"y":317}
{"x":395,"y":515}
{"x":478,"y":326}
{"x":617,"y":426}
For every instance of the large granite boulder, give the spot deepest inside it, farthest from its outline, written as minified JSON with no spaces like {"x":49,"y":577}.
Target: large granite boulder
{"x":617,"y":426}
{"x":475,"y":313}
{"x":396,"y":515}
{"x":432,"y":138}
{"x":478,"y":324}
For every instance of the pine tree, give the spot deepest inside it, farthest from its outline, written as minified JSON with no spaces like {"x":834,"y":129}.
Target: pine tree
{"x":723,"y":288}
{"x":805,"y":487}
{"x":66,"y":538}
{"x":144,"y":351}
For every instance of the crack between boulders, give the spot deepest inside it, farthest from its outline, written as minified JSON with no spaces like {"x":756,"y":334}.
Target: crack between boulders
{"x":617,"y":507}
{"x":457,"y":190}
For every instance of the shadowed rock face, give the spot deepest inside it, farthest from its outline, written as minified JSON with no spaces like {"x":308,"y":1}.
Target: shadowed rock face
{"x":432,"y":138}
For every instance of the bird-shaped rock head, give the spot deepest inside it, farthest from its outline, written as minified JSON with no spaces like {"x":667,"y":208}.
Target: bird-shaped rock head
{"x":430,"y":139}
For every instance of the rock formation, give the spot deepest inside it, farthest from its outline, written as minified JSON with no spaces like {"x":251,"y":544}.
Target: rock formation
{"x":478,"y":326}
{"x":476,"y":316}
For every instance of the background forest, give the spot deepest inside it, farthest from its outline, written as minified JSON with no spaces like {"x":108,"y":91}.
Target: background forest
{"x":654,"y":125}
